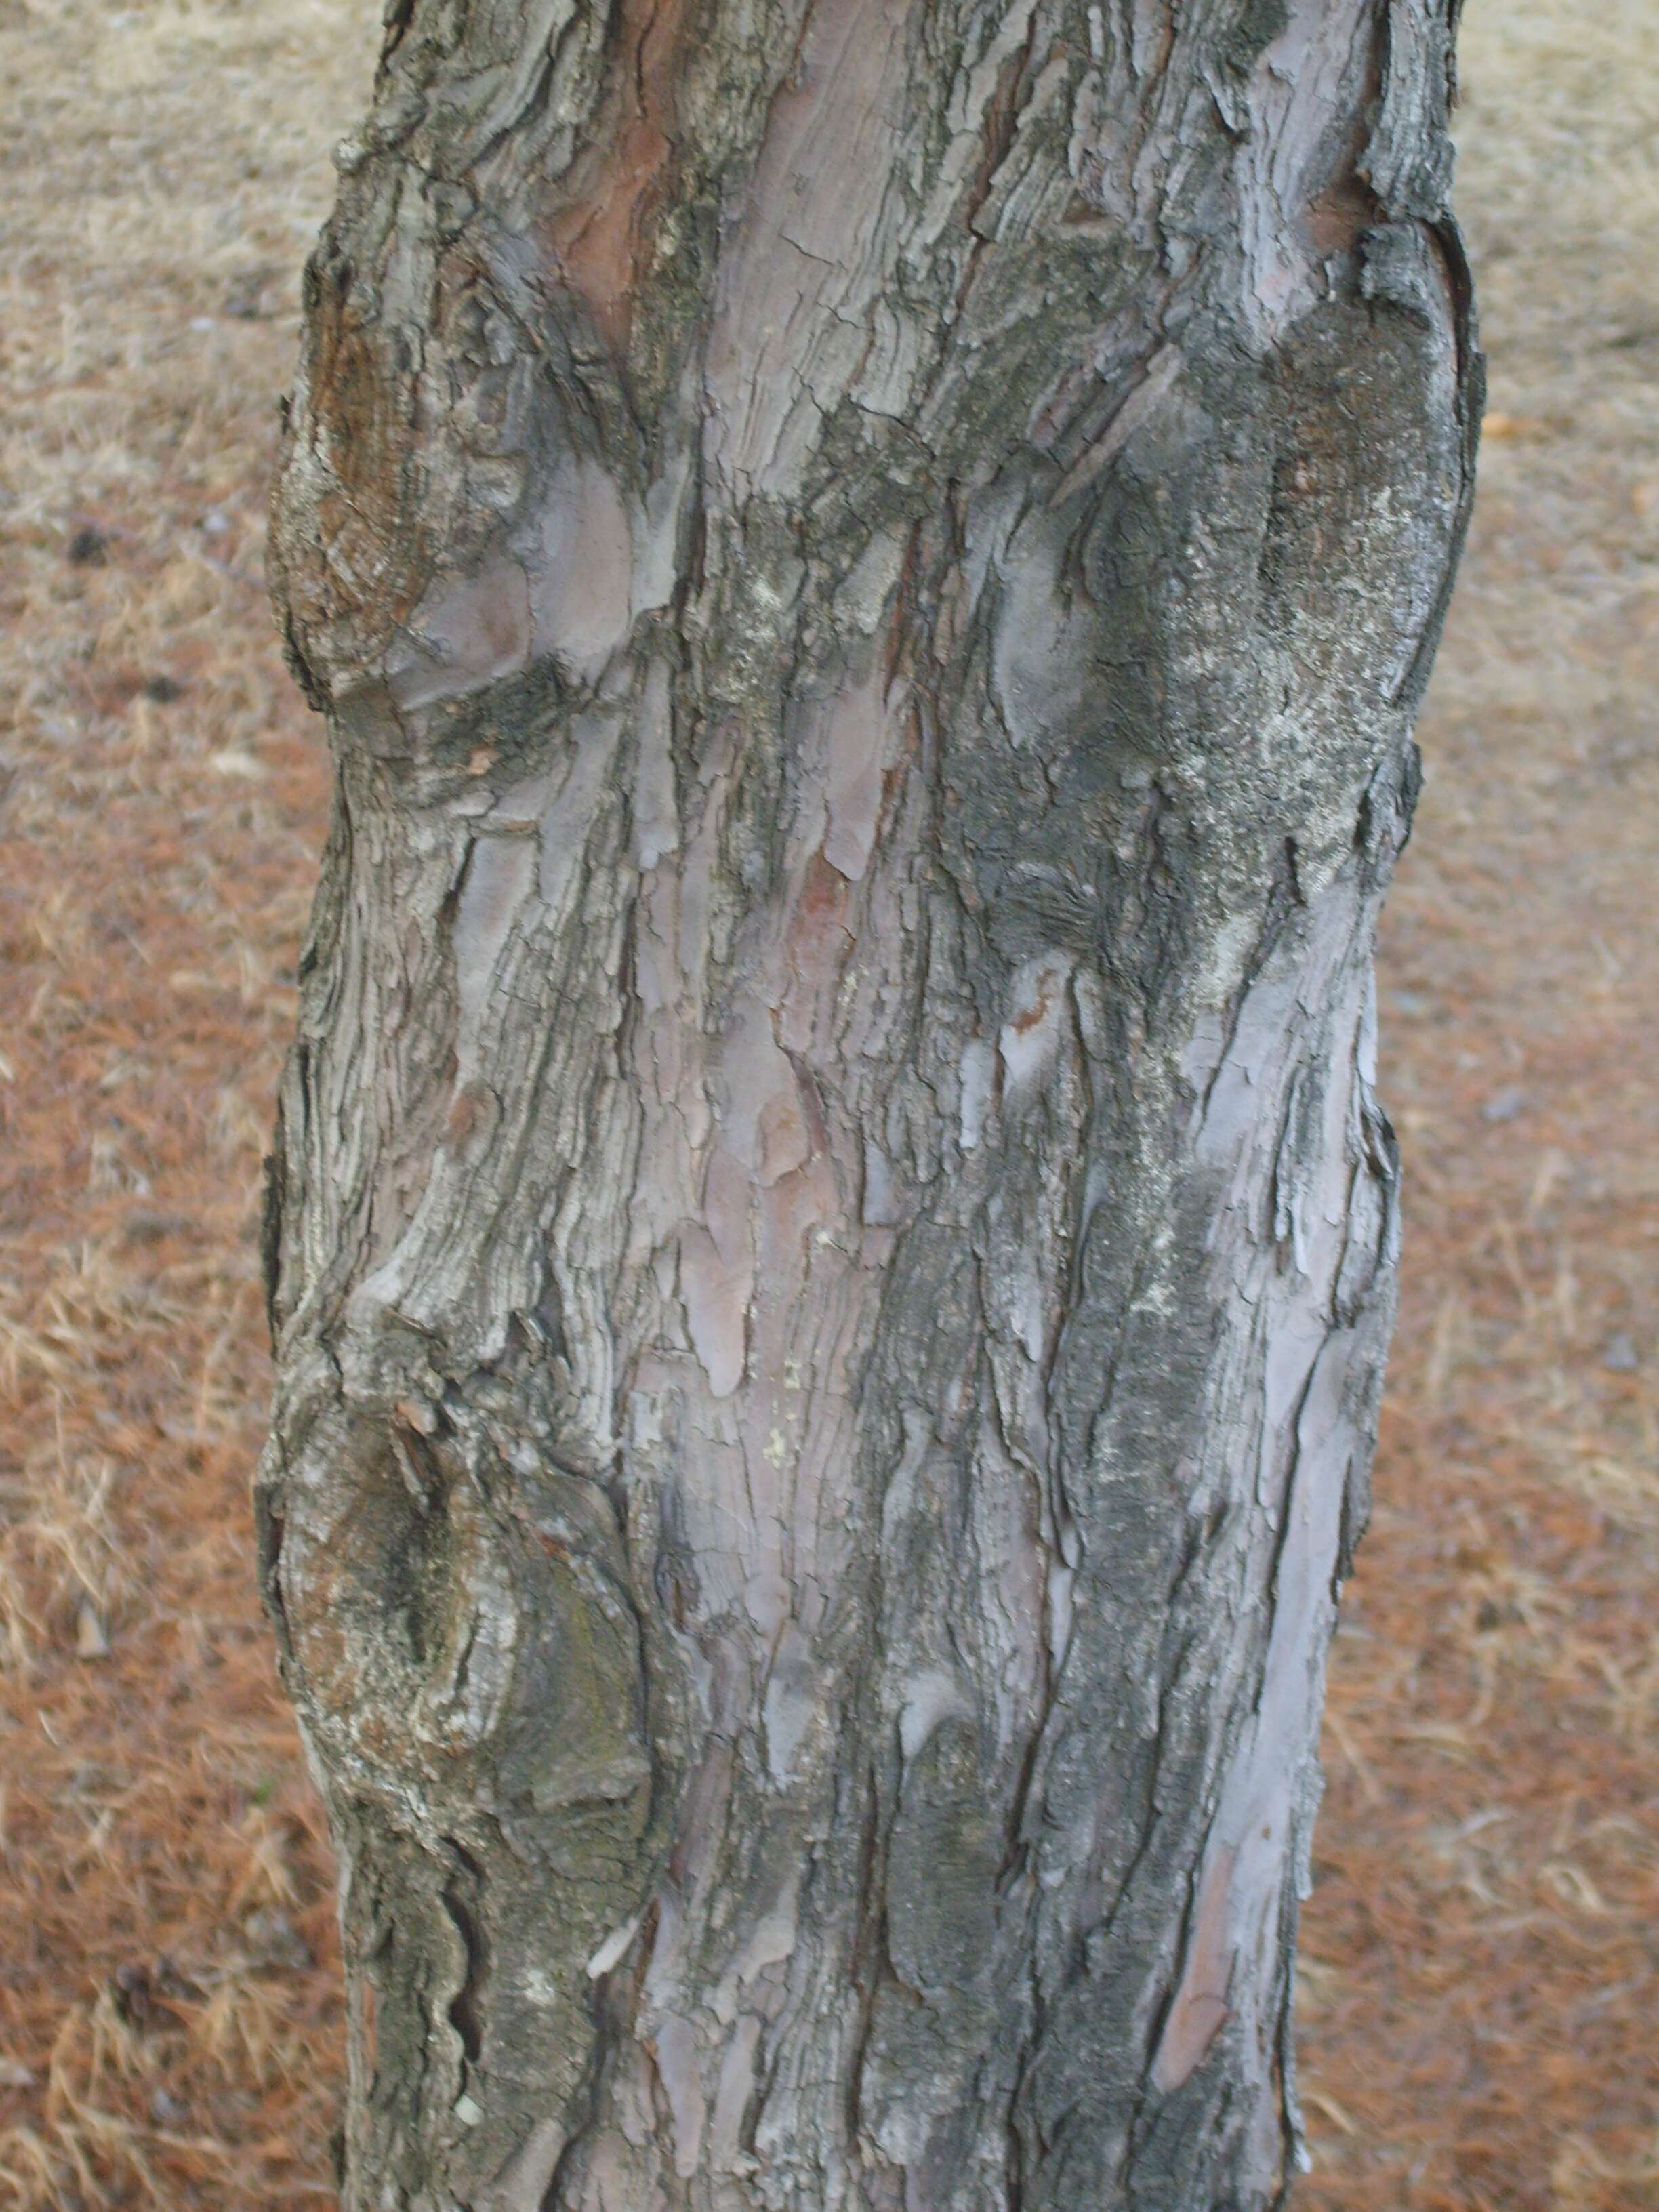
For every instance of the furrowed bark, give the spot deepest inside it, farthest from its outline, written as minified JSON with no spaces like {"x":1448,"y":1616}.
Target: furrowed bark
{"x":870,"y":566}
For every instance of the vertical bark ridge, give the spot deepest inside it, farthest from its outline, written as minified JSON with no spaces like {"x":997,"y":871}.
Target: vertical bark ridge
{"x":869,"y":565}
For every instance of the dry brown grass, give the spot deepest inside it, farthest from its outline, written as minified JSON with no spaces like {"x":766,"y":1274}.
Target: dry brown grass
{"x":1481,"y":1952}
{"x":1483,"y":1949}
{"x":168,"y":2014}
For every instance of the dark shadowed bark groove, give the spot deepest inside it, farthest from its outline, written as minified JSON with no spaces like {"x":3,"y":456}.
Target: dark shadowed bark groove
{"x":870,"y":565}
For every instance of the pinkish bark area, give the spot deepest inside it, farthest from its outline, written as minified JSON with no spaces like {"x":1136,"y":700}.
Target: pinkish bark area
{"x":869,"y":567}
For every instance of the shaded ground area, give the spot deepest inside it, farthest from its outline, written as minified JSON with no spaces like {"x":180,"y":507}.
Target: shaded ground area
{"x":1481,"y":1955}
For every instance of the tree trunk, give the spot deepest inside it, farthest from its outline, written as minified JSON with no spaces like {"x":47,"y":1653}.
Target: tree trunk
{"x":870,"y":565}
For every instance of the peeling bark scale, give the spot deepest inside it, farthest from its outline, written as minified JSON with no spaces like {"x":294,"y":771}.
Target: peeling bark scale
{"x":870,"y":564}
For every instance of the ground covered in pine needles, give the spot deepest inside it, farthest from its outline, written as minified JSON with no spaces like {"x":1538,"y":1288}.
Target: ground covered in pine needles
{"x":1482,"y":1954}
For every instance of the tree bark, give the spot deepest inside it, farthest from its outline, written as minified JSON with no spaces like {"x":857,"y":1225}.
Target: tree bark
{"x":870,"y":564}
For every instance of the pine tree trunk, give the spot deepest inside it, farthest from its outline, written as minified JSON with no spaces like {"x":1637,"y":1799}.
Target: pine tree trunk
{"x":870,"y":566}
